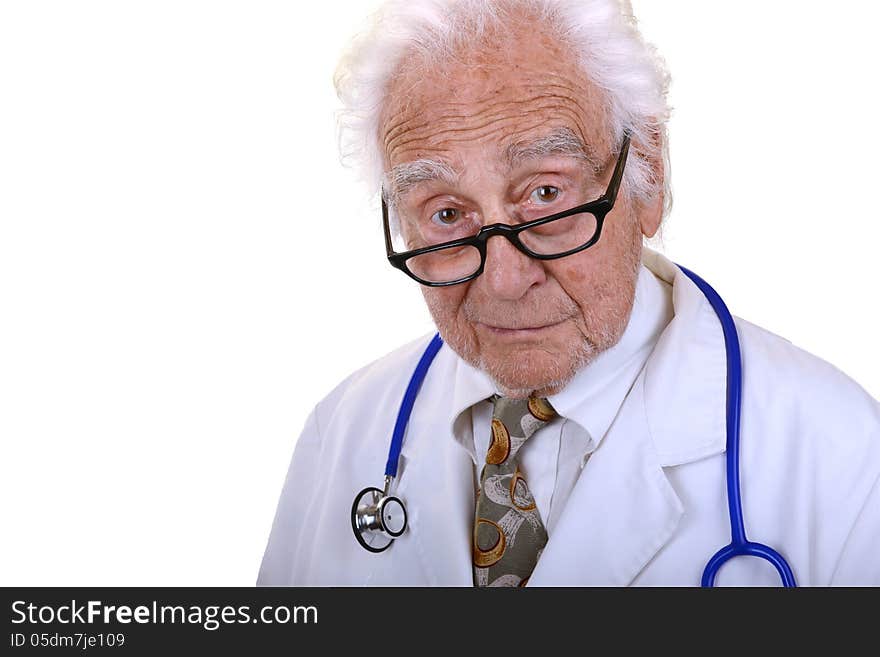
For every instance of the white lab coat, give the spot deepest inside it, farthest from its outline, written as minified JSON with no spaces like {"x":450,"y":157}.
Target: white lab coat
{"x":650,"y":506}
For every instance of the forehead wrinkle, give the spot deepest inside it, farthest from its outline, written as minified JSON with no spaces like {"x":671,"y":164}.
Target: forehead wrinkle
{"x":450,"y":110}
{"x":409,"y":121}
{"x":443,"y":140}
{"x":449,"y":131}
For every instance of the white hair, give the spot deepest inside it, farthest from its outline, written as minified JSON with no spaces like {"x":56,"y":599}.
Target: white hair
{"x":602,"y":34}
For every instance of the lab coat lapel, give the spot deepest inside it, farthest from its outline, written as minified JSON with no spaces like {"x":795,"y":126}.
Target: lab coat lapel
{"x":621,"y":511}
{"x":439,"y":495}
{"x":438,"y":484}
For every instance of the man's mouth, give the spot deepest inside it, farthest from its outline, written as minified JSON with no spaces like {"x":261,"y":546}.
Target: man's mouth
{"x":523,"y":330}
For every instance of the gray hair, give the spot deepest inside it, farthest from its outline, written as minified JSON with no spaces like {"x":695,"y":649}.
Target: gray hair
{"x":602,"y":33}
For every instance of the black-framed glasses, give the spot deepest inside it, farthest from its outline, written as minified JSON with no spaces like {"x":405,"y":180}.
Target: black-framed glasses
{"x":549,"y":238}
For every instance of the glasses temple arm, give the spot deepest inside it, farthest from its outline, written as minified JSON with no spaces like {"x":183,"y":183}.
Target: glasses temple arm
{"x":617,"y":176}
{"x":389,"y":249}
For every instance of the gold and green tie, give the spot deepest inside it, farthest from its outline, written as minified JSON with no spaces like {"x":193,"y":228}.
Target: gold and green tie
{"x":508,"y":532}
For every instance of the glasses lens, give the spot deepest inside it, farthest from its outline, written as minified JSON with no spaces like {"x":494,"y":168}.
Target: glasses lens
{"x":445,"y":265}
{"x":561,"y":235}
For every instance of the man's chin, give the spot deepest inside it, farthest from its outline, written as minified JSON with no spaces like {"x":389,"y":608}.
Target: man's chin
{"x":520,"y":375}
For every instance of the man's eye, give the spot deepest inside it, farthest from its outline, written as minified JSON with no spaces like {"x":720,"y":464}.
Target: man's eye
{"x":545,"y":194}
{"x":445,"y":217}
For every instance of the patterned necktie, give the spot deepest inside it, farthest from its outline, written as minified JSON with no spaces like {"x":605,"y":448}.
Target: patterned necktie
{"x":508,"y":533}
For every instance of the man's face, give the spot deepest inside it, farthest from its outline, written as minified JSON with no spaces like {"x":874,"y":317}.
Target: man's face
{"x":500,"y":123}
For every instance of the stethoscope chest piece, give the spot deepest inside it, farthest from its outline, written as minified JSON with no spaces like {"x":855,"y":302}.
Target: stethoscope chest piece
{"x":377,"y":519}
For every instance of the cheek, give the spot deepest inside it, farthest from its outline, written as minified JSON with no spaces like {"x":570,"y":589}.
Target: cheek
{"x":622,"y":226}
{"x":574,"y":274}
{"x":578,"y":273}
{"x":588,"y":276}
{"x":444,"y":302}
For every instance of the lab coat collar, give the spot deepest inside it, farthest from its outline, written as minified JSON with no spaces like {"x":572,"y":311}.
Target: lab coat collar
{"x":685,"y":378}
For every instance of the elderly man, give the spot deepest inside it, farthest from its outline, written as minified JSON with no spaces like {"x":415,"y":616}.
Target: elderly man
{"x":573,"y":427}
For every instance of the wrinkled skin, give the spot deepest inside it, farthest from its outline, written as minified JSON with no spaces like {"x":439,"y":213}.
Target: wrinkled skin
{"x":529,"y":324}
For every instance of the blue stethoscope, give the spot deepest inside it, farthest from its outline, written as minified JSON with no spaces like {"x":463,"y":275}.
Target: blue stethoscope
{"x":377,"y":518}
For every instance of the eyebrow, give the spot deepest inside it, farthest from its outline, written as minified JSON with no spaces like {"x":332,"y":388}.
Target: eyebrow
{"x":405,"y":176}
{"x":402,"y":178}
{"x":562,"y":141}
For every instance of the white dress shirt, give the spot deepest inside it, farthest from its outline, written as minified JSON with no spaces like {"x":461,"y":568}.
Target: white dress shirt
{"x":552,"y":459}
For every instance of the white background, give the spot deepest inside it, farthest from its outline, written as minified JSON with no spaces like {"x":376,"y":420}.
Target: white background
{"x":170,"y":192}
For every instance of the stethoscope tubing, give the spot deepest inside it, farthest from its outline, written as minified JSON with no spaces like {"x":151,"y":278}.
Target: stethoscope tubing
{"x":739,"y":543}
{"x":409,"y":398}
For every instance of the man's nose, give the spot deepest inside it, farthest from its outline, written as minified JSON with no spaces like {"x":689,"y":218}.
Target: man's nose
{"x":508,"y":272}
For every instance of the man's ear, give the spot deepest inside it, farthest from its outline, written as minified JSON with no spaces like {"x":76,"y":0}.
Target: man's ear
{"x":650,"y":213}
